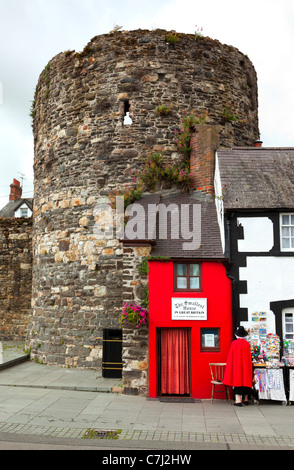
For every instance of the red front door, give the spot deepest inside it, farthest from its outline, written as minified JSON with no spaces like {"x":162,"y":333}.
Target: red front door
{"x":174,"y":361}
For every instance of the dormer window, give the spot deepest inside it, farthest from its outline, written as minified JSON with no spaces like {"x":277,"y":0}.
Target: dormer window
{"x":23,"y":210}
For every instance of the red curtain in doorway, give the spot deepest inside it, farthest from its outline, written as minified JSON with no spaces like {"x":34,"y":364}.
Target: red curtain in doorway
{"x":175,"y":361}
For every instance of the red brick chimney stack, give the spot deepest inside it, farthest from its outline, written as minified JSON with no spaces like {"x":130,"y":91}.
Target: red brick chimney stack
{"x":204,"y":143}
{"x":258,"y":143}
{"x":15,"y":190}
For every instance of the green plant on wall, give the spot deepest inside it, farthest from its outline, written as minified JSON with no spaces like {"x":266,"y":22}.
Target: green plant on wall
{"x":156,"y":170}
{"x":145,"y":297}
{"x":131,"y":193}
{"x":229,"y":114}
{"x":184,"y":133}
{"x":232,"y":114}
{"x":162,"y":109}
{"x":33,"y":108}
{"x":198,"y":32}
{"x":172,"y":38}
{"x":143,"y":268}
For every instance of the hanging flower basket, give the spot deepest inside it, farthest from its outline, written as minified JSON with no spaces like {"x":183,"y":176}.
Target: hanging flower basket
{"x":133,"y":314}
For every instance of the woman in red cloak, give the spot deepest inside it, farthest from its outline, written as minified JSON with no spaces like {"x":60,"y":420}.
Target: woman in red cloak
{"x":238,"y":371}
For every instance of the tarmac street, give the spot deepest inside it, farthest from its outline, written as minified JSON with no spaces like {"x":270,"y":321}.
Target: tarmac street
{"x":79,"y":407}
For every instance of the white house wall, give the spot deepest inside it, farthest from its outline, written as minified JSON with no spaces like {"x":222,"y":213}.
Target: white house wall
{"x":218,"y":190}
{"x":269,"y":279}
{"x":258,"y":234}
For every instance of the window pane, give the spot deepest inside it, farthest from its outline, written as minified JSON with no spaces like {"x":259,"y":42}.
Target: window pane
{"x":194,"y":282}
{"x":194,"y":269}
{"x":292,"y":242}
{"x":288,"y":324}
{"x":181,"y":269}
{"x":285,"y":243}
{"x":285,"y":231}
{"x":285,"y":219}
{"x":182,"y":283}
{"x":292,"y":219}
{"x":289,"y":336}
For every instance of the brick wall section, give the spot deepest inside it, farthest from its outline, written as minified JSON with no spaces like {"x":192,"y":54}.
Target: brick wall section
{"x":15,"y":277}
{"x":204,"y":143}
{"x":135,"y":341}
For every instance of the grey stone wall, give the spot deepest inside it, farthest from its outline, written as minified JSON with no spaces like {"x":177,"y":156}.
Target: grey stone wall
{"x":135,"y":341}
{"x":15,"y":277}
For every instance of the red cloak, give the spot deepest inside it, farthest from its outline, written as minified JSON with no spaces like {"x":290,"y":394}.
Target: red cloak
{"x":238,"y":371}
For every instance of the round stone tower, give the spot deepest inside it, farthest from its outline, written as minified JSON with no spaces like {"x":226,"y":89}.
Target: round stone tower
{"x":95,"y":113}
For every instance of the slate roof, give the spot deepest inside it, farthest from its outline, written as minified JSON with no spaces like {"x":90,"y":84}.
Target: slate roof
{"x":210,"y":242}
{"x":12,"y":206}
{"x":257,"y":177}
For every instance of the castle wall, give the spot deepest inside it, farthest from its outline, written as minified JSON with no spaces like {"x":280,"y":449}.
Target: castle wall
{"x":84,"y":150}
{"x":15,"y":277}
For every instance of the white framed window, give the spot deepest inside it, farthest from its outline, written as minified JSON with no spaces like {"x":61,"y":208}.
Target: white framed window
{"x":24,"y":212}
{"x":287,"y":231}
{"x":288,"y":323}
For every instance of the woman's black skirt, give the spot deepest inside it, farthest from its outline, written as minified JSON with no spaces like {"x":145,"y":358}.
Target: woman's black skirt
{"x":242,"y":391}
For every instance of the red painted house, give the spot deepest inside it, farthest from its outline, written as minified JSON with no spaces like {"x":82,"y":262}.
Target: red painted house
{"x":190,"y":309}
{"x":196,"y":342}
{"x":190,"y":294}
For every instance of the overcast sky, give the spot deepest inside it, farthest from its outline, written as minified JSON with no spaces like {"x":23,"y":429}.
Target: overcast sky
{"x":34,"y":31}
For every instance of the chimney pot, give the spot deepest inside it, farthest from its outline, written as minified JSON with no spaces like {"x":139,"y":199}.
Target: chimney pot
{"x":258,"y":143}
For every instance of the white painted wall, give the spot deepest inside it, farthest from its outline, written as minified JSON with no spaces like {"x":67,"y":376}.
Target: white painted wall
{"x":219,"y":203}
{"x":258,"y":234}
{"x":269,"y":279}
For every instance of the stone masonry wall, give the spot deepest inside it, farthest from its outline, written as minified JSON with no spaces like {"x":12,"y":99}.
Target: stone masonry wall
{"x":15,"y":277}
{"x":135,"y":341}
{"x":84,"y":150}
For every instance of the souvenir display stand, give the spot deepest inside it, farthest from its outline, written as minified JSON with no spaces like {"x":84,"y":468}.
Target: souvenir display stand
{"x":268,"y":371}
{"x":269,"y":383}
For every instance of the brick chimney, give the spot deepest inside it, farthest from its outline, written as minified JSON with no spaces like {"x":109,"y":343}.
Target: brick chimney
{"x":204,"y":143}
{"x":15,"y":190}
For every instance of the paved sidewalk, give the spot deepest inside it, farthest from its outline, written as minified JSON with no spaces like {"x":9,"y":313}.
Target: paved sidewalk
{"x":42,"y":400}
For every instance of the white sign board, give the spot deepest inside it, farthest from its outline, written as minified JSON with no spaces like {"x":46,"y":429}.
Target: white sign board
{"x":189,"y":309}
{"x":209,"y":341}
